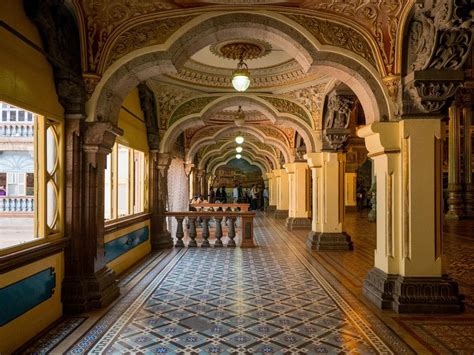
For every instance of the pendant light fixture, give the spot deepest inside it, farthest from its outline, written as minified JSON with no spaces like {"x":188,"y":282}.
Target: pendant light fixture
{"x":241,"y":76}
{"x":239,"y":117}
{"x":239,"y":149}
{"x":239,"y":139}
{"x":238,"y":156}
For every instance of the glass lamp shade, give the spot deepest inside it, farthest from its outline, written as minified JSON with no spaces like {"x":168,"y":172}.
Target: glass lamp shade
{"x":240,"y":81}
{"x":238,"y":156}
{"x":239,"y":139}
{"x":239,"y":149}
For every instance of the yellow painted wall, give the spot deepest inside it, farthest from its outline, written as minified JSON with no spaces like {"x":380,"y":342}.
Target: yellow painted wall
{"x":125,"y":261}
{"x":132,"y":121}
{"x":23,"y":328}
{"x":26,"y":77}
{"x":351,"y":189}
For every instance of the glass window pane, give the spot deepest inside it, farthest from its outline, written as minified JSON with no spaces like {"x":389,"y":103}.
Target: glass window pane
{"x":51,"y":152}
{"x":108,"y":188}
{"x":51,"y":202}
{"x":139,"y":176}
{"x":16,"y":182}
{"x":123,"y":177}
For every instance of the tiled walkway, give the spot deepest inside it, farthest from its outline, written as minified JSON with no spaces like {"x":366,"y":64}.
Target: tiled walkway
{"x":276,"y":298}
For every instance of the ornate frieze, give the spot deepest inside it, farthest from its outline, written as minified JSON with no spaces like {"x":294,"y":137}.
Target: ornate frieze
{"x":143,"y":35}
{"x":335,"y":34}
{"x":312,"y":98}
{"x":287,"y":106}
{"x":192,"y":106}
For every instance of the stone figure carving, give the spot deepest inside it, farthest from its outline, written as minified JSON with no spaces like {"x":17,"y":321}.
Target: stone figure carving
{"x":336,"y":131}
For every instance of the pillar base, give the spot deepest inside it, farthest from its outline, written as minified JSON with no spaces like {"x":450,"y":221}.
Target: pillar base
{"x":280,"y":214}
{"x":469,"y":201}
{"x":162,"y":241}
{"x":298,"y":223}
{"x":455,"y":202}
{"x":378,"y":288}
{"x":271,"y":209}
{"x":80,"y":295}
{"x":329,"y":241}
{"x":413,"y":294}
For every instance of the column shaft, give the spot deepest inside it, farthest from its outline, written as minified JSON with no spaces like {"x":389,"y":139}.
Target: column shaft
{"x":455,"y":202}
{"x":298,"y":211}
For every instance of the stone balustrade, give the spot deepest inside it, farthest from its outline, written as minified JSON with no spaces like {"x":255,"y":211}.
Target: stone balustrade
{"x":16,"y":204}
{"x":203,"y":221}
{"x":16,"y":129}
{"x":235,"y":207}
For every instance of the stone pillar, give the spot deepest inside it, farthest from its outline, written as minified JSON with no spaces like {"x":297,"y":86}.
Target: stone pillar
{"x":203,"y":183}
{"x":328,"y":202}
{"x":409,"y":273}
{"x":468,"y":182}
{"x":298,"y":214}
{"x":455,"y":202}
{"x":88,"y":282}
{"x":281,"y":179}
{"x":271,"y":193}
{"x":158,"y":191}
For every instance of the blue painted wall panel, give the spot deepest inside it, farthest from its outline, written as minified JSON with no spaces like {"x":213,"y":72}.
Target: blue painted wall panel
{"x":18,"y":298}
{"x":123,"y":244}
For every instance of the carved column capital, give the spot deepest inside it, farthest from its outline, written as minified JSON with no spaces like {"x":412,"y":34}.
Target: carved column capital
{"x":99,"y":137}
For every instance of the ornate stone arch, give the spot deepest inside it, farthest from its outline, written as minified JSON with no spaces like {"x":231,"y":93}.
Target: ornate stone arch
{"x":253,"y":148}
{"x":148,"y":62}
{"x":251,"y":158}
{"x":282,"y":147}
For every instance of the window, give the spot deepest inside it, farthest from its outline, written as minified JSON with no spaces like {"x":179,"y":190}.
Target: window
{"x":124,"y":189}
{"x":30,"y":178}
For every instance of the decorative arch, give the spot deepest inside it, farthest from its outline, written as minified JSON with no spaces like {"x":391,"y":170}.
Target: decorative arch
{"x":253,"y":148}
{"x":251,"y":158}
{"x":215,"y":132}
{"x":150,"y":61}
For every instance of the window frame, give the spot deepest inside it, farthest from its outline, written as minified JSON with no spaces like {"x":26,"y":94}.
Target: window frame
{"x":131,"y":182}
{"x":42,"y":233}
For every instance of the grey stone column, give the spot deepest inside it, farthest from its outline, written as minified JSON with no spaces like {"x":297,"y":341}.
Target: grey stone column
{"x":455,"y":202}
{"x":88,"y":282}
{"x":468,"y":182}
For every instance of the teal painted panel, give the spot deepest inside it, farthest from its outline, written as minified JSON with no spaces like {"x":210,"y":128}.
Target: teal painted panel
{"x":125,"y":243}
{"x":18,"y":298}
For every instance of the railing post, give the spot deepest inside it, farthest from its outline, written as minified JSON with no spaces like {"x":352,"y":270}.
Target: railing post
{"x":192,"y":231}
{"x":205,"y":232}
{"x":218,"y":242}
{"x":179,"y":232}
{"x":247,"y":231}
{"x":231,"y":229}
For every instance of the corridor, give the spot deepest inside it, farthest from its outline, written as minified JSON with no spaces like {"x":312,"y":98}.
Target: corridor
{"x":276,"y":298}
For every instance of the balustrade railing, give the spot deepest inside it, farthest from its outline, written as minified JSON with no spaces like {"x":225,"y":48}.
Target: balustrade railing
{"x":12,"y":129}
{"x":16,"y":204}
{"x":200,"y":224}
{"x":205,"y":206}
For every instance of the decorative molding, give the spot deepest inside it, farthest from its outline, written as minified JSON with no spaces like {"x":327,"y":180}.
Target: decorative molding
{"x":335,"y":34}
{"x":312,"y":98}
{"x":247,"y":50}
{"x":143,"y":35}
{"x":189,"y":107}
{"x":287,"y":106}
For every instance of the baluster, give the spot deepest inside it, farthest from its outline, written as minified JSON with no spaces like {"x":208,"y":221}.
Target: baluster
{"x":192,"y":231}
{"x":21,"y":204}
{"x":231,"y":229}
{"x":179,"y":232}
{"x":205,"y":232}
{"x":32,"y":204}
{"x":2,"y":205}
{"x":218,"y":242}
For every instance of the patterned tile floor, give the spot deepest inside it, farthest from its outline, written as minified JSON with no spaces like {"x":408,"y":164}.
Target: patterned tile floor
{"x":277,"y":298}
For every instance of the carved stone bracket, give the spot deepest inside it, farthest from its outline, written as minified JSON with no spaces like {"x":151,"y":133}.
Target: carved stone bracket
{"x":99,"y":137}
{"x":440,"y":40}
{"x":336,"y":131}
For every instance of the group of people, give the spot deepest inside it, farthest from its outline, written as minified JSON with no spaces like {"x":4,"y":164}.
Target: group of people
{"x":256,"y":196}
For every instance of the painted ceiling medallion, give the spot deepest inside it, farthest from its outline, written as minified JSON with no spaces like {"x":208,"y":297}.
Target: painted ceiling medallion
{"x":247,"y":50}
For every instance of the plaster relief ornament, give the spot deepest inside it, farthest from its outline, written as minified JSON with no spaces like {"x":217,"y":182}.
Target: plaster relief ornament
{"x":336,"y":131}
